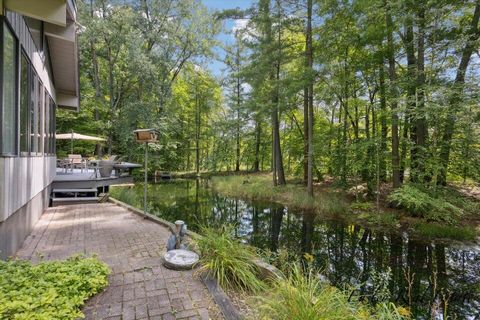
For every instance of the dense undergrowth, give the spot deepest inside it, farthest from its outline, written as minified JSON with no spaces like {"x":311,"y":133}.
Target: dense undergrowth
{"x":298,"y":294}
{"x":49,"y":290}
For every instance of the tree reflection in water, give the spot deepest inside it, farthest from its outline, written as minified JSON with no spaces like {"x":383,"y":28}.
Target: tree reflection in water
{"x":348,"y":254}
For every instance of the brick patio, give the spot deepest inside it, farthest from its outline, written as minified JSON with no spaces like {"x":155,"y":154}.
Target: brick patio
{"x":140,"y":287}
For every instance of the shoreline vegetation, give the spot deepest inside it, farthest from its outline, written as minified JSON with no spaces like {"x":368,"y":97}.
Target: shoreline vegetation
{"x":297,"y":293}
{"x":446,"y":215}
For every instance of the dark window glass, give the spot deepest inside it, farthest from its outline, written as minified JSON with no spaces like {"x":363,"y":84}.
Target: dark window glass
{"x":52,"y":126}
{"x":40,"y":118}
{"x":24,"y":110}
{"x":9,"y":118}
{"x":46,"y":132}
{"x":33,"y":114}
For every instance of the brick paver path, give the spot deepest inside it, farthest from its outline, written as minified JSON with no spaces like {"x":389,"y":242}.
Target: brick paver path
{"x":140,"y":287}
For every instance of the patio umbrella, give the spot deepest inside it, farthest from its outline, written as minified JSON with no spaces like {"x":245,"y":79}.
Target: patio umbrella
{"x":76,"y":136}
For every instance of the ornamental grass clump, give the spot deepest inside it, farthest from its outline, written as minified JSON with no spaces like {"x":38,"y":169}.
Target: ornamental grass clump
{"x":49,"y":290}
{"x":301,"y":295}
{"x":228,"y":261}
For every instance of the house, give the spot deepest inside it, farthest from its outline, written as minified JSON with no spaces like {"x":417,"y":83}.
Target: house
{"x":39,"y":73}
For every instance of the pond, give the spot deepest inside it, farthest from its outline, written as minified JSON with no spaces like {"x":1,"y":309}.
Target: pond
{"x":428,"y":275}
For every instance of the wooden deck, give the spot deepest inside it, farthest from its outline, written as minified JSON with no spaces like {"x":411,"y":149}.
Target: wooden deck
{"x":77,"y":179}
{"x":140,"y":286}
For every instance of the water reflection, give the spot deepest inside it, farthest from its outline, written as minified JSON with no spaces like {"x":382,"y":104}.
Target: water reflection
{"x":421,"y":273}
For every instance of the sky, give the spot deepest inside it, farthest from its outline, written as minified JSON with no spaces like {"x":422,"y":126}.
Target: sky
{"x":216,"y":66}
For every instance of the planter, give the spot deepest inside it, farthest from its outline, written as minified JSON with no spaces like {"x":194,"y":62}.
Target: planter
{"x":106,"y":168}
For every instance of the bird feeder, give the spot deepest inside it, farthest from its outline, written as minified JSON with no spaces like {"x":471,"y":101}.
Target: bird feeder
{"x":145,"y":135}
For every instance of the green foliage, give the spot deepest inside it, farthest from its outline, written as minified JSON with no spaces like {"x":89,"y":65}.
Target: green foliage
{"x":303,"y":296}
{"x":228,"y":261}
{"x":435,"y":230}
{"x":421,"y":204}
{"x":49,"y":290}
{"x":258,"y":187}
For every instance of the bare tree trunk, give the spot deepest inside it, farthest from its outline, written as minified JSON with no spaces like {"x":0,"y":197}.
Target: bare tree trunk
{"x":382,"y":165}
{"x":411,"y":103}
{"x":237,"y":162}
{"x":96,"y":81}
{"x":258,"y":133}
{"x":197,"y":132}
{"x":393,"y":96}
{"x":310,"y":98}
{"x":421,"y":122}
{"x":455,"y":97}
{"x":305,"y":135}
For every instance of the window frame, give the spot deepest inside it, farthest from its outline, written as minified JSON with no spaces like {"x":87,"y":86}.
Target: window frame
{"x":4,"y":22}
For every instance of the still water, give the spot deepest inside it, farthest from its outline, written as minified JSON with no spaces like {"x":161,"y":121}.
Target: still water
{"x":428,"y":275}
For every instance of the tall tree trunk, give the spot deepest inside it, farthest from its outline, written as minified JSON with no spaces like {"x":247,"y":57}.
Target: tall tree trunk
{"x":96,"y":81}
{"x":237,"y":159}
{"x":197,"y":132}
{"x":279,"y":171}
{"x":383,"y":125}
{"x":393,"y":96}
{"x":456,"y":96}
{"x":305,"y":133}
{"x":258,"y":133}
{"x":309,"y":49}
{"x":411,"y":102}
{"x":421,"y":122}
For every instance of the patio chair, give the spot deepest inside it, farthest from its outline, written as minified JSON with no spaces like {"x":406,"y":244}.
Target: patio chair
{"x":77,"y":162}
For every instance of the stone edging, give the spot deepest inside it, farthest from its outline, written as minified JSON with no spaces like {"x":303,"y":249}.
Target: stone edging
{"x":267,"y":271}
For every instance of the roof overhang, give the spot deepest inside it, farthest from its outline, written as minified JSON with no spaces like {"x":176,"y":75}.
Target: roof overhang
{"x":52,"y":11}
{"x":62,"y":43}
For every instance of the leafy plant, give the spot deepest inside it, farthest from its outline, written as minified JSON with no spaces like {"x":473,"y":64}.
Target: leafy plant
{"x":49,"y":290}
{"x":228,"y":261}
{"x":420,"y":203}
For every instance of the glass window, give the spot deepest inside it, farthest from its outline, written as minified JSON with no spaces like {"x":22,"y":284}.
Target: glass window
{"x":40,"y":118}
{"x":52,"y":126}
{"x":46,"y":132}
{"x":33,"y":114}
{"x":9,"y":86}
{"x":24,"y":110}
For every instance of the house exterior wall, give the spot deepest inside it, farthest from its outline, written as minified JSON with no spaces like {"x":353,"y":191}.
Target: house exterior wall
{"x":26,"y":172}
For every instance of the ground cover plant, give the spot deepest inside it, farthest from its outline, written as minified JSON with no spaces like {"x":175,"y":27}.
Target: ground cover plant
{"x":50,"y":289}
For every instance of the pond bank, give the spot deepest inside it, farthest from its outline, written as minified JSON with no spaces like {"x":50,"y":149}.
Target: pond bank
{"x":333,"y":202}
{"x":352,"y":255}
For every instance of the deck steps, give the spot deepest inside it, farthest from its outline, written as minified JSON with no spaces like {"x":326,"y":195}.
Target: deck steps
{"x":74,"y":195}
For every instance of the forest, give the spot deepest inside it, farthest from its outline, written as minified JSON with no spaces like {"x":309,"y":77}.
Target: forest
{"x":360,"y":91}
{"x":336,"y":136}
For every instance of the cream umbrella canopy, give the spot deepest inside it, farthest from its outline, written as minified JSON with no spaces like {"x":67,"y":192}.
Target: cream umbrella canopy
{"x":76,"y":136}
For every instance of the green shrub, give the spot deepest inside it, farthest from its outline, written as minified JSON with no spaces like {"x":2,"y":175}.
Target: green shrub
{"x":229,"y":261}
{"x":421,"y":204}
{"x":49,"y":290}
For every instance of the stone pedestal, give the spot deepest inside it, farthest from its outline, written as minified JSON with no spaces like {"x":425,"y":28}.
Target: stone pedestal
{"x":180,"y":259}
